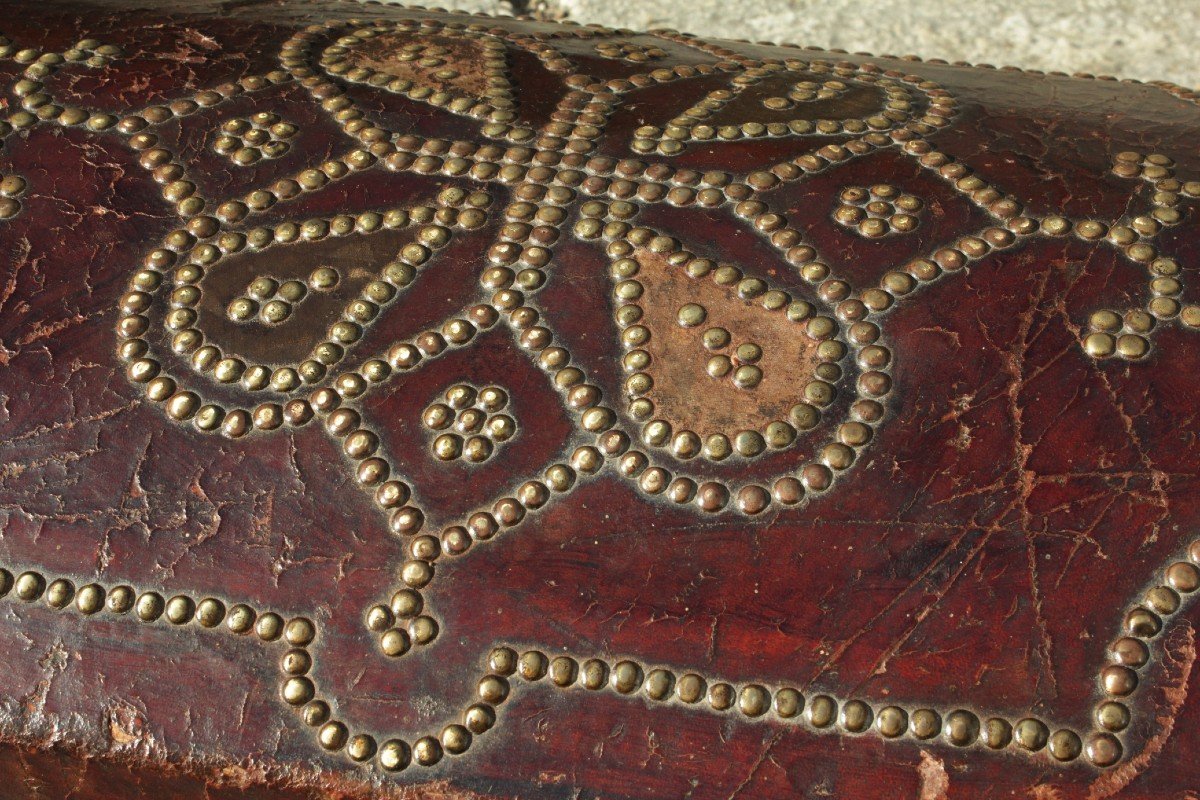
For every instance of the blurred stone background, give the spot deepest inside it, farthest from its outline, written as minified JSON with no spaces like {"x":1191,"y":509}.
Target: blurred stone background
{"x":1126,"y":38}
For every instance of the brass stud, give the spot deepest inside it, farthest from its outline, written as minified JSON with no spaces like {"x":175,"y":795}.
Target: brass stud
{"x":821,"y":711}
{"x":395,"y":642}
{"x":996,"y":733}
{"x":1103,"y":749}
{"x":754,"y":700}
{"x":269,"y":626}
{"x":721,"y":696}
{"x":299,"y":632}
{"x":1183,"y":577}
{"x":210,"y":612}
{"x":856,"y":716}
{"x":150,"y":606}
{"x":29,"y":586}
{"x":502,"y":661}
{"x":1112,"y":716}
{"x":533,"y":665}
{"x":691,"y":688}
{"x":961,"y":728}
{"x":1130,"y":652}
{"x":332,"y":736}
{"x":892,"y":721}
{"x":479,"y":718}
{"x":626,"y":677}
{"x":361,"y":747}
{"x":455,"y":739}
{"x":180,"y":610}
{"x":925,"y":723}
{"x":120,"y":599}
{"x":564,"y":671}
{"x":493,"y":689}
{"x":394,"y":755}
{"x":59,"y":593}
{"x":1031,"y":734}
{"x":297,"y":691}
{"x":1118,"y":681}
{"x":1065,"y":745}
{"x":427,"y":751}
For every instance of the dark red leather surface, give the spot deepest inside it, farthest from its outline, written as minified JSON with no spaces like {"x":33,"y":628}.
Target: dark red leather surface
{"x":974,"y":508}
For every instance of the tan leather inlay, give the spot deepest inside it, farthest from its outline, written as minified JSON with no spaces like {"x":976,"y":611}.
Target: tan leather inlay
{"x":684,"y":393}
{"x":442,"y":63}
{"x":855,"y":101}
{"x":357,"y":259}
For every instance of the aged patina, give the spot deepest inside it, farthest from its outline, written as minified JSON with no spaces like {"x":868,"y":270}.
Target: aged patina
{"x":399,"y":403}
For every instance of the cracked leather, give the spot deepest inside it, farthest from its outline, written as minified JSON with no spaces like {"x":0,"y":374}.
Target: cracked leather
{"x":403,"y":404}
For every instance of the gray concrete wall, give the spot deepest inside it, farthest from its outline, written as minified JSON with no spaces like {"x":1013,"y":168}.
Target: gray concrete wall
{"x":1144,"y":39}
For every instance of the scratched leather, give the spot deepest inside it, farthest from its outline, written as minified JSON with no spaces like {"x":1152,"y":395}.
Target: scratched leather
{"x":1018,"y":496}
